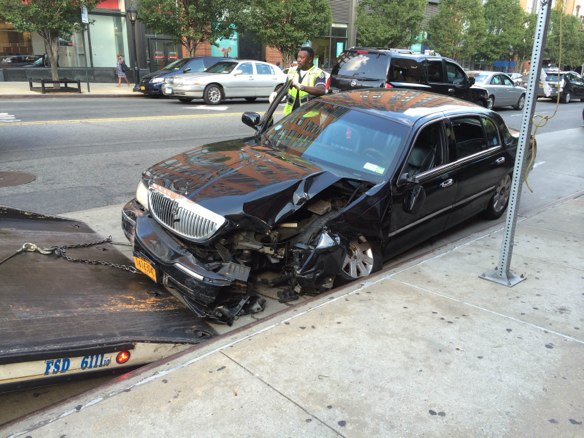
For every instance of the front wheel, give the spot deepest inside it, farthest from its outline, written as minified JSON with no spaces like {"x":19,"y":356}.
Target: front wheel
{"x":490,"y":102}
{"x":498,"y":203}
{"x":520,"y":103}
{"x":362,"y":259}
{"x":213,"y":94}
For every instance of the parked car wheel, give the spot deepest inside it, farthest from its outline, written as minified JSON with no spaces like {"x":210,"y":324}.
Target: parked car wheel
{"x":185,"y":99}
{"x":498,"y":203}
{"x":363,"y":258}
{"x":490,"y":102}
{"x":520,"y":103}
{"x":213,"y":94}
{"x":567,"y":98}
{"x":251,"y":99}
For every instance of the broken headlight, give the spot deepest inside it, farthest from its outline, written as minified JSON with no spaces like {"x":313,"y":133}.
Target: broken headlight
{"x":142,"y":195}
{"x":325,"y":240}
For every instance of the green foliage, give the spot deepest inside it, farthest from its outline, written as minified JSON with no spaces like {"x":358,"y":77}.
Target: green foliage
{"x":565,"y":40}
{"x":504,"y":20}
{"x":458,"y":30}
{"x":389,"y":23}
{"x":51,"y":19}
{"x":286,"y":24}
{"x":190,"y":22}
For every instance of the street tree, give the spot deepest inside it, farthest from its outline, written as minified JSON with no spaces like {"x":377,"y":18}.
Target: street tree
{"x":286,"y":24}
{"x":565,"y":40}
{"x":190,"y":22}
{"x":389,"y":23}
{"x":504,"y":20}
{"x":524,"y":47}
{"x":458,"y":30}
{"x":51,"y":19}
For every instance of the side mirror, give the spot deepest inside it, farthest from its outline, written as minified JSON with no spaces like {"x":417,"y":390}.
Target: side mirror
{"x":186,"y":70}
{"x":406,"y":178}
{"x":237,"y":72}
{"x":251,"y":119}
{"x":471,"y":82}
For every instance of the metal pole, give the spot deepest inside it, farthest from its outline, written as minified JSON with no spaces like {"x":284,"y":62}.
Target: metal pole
{"x":85,"y":57}
{"x":502,"y":274}
{"x":136,"y":68}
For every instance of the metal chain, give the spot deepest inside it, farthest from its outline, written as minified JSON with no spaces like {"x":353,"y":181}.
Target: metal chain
{"x":61,"y":251}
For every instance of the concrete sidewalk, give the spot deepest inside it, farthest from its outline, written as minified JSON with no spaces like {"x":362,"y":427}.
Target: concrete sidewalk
{"x":427,"y":349}
{"x":22,"y":89}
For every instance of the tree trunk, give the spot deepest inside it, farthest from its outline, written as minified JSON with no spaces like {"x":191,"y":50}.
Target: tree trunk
{"x":52,"y":50}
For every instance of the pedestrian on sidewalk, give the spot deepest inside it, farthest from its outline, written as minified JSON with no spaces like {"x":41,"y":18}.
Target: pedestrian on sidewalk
{"x":121,"y":69}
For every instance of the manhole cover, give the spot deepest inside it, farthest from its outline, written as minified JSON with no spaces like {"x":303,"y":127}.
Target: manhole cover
{"x":8,"y":179}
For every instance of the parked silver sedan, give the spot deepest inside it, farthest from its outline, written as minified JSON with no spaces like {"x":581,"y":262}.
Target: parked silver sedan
{"x":227,"y":79}
{"x":502,"y":90}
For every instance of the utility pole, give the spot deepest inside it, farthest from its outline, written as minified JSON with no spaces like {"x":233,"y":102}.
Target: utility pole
{"x":502,"y":274}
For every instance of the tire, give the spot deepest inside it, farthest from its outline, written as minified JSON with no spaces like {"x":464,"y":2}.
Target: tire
{"x":520,"y":103}
{"x":567,"y":98}
{"x":213,"y":94}
{"x":500,"y":199}
{"x":185,"y":99}
{"x":490,"y":102}
{"x":251,"y":99}
{"x":363,"y":258}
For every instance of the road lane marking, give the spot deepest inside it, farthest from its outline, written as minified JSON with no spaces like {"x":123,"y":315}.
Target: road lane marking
{"x":128,"y":119}
{"x":207,"y":107}
{"x":8,"y":118}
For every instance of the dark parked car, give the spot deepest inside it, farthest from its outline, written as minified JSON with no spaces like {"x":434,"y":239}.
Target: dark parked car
{"x":391,"y":68}
{"x":322,"y":196}
{"x":20,"y":61}
{"x":569,"y":84}
{"x":150,"y":84}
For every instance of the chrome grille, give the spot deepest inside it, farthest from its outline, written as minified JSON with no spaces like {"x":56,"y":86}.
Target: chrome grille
{"x":183,"y":216}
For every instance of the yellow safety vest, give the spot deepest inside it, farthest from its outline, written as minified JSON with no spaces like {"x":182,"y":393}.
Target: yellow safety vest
{"x":309,"y":80}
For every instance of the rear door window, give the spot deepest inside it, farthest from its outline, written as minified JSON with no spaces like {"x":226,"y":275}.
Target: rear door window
{"x":469,"y":136}
{"x":435,"y":73}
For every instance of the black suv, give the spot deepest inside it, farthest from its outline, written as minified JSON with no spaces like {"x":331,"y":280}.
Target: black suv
{"x":362,"y":67}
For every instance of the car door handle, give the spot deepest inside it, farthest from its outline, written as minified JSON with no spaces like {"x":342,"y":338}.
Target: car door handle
{"x":446,"y":183}
{"x":500,"y":161}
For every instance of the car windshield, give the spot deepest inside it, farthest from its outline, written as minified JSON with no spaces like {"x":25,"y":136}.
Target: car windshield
{"x":222,"y":67}
{"x":346,"y":141}
{"x":553,"y":77}
{"x":480,"y":77}
{"x":176,"y":64}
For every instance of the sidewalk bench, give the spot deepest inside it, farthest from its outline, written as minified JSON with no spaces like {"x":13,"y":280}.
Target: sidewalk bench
{"x":75,"y":85}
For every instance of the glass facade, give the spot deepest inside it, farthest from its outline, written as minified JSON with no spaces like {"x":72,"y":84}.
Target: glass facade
{"x":328,"y":47}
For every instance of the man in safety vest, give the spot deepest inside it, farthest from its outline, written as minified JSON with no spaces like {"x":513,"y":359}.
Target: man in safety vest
{"x":308,"y":81}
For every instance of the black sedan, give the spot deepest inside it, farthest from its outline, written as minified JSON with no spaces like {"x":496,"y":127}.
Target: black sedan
{"x":321,"y":197}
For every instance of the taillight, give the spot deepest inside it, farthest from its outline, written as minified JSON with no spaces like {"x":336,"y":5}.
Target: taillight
{"x":123,"y":357}
{"x":388,"y":85}
{"x":328,"y":83}
{"x":362,"y":52}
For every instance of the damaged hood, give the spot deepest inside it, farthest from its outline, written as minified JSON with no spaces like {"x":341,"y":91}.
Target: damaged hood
{"x":238,"y":177}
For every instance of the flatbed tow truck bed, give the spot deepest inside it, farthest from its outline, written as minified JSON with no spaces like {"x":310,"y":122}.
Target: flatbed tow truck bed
{"x":62,"y":318}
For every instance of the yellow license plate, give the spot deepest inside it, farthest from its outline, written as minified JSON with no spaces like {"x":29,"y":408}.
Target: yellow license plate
{"x":142,"y":87}
{"x":146,"y":267}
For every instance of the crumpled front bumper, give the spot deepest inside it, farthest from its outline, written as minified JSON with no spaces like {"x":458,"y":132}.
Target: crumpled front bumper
{"x":188,"y":278}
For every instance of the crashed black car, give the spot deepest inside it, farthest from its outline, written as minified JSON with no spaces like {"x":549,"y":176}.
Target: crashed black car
{"x":322,"y":196}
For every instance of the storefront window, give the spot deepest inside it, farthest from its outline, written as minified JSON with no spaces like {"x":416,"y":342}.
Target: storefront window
{"x":329,"y":47}
{"x":111,"y":41}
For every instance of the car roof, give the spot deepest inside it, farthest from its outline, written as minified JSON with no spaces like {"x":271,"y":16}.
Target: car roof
{"x":404,"y":104}
{"x":401,"y":53}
